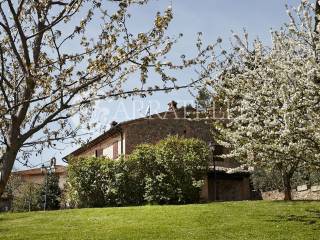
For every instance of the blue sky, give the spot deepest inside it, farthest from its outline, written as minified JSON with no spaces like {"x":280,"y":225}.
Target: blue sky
{"x":215,"y":18}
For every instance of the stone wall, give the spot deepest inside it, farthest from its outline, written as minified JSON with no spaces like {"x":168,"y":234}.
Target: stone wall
{"x":153,"y":130}
{"x":312,"y":193}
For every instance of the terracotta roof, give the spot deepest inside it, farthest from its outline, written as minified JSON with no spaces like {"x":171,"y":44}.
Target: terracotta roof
{"x":37,"y":171}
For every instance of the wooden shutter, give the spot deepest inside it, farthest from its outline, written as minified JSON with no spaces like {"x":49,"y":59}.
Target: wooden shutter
{"x":115,"y":150}
{"x":99,"y":152}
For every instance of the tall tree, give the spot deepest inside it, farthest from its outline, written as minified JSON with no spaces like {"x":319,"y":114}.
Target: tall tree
{"x":52,"y":65}
{"x":50,"y":193}
{"x":273,"y":97}
{"x":317,"y":16}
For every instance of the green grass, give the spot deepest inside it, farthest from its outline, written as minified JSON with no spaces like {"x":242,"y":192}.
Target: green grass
{"x":229,"y":220}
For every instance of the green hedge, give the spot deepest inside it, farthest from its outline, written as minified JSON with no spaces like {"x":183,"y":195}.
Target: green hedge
{"x":170,"y":172}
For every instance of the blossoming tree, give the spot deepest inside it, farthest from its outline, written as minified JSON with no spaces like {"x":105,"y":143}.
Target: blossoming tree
{"x":53,"y":67}
{"x":272,"y":94}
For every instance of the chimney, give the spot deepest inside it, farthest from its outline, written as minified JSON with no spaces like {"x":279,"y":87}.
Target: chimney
{"x":113,"y":124}
{"x":172,"y":106}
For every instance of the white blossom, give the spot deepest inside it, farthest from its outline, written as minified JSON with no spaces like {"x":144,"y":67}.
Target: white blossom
{"x":274,"y":98}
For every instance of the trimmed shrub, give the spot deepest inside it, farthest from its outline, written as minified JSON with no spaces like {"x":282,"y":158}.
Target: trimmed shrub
{"x":99,"y":182}
{"x":85,"y":182}
{"x":173,"y":170}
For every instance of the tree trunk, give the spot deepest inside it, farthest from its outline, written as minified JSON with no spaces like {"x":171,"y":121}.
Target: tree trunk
{"x":7,"y":160}
{"x":317,"y":17}
{"x":287,"y":187}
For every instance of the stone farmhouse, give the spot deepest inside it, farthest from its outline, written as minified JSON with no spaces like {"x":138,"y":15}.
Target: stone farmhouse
{"x":232,"y":182}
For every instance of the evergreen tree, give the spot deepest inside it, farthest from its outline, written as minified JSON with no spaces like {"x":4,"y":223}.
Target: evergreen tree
{"x":50,"y":192}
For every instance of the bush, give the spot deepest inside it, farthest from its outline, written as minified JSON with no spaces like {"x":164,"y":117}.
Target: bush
{"x":169,"y":172}
{"x":98,"y":182}
{"x":27,"y":197}
{"x":173,"y":170}
{"x":85,"y":180}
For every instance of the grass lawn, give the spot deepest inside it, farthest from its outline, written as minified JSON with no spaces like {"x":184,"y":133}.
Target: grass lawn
{"x":229,"y":220}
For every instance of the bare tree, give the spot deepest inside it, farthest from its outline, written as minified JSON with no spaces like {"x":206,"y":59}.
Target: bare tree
{"x":52,"y":67}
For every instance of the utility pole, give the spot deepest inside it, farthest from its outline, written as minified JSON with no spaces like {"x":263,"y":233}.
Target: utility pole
{"x":46,"y":170}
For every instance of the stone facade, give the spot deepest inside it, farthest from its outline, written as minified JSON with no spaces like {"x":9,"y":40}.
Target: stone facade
{"x":153,"y":130}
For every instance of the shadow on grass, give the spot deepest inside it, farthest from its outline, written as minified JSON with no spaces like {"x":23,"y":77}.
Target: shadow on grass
{"x":312,"y":217}
{"x":7,"y":217}
{"x":294,"y":202}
